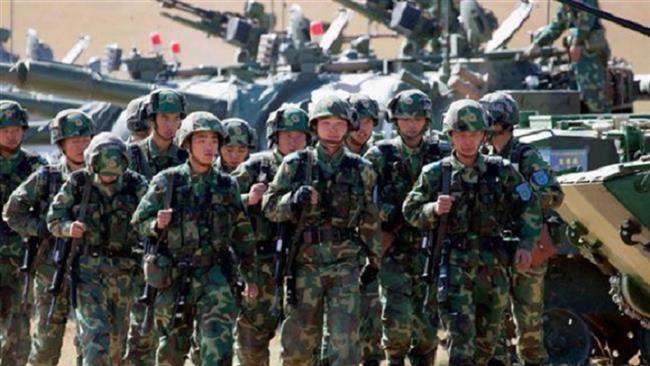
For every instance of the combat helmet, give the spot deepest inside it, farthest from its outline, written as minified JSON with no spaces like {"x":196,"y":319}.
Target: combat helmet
{"x":107,"y":155}
{"x":287,"y":118}
{"x":365,"y":107}
{"x":70,"y":123}
{"x":500,"y":107}
{"x":410,"y":103}
{"x":465,"y":115}
{"x":12,"y":114}
{"x":198,"y":122}
{"x":166,"y":100}
{"x":239,"y":133}
{"x":136,"y":115}
{"x":333,"y":106}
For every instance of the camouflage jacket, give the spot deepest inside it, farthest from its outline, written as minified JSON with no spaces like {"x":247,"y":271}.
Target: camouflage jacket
{"x":259,"y":168}
{"x":26,"y":209}
{"x":208,"y":216}
{"x":220,"y":166}
{"x":148,"y":160}
{"x":107,"y":216}
{"x":397,"y":167}
{"x":13,"y":171}
{"x":488,"y":195}
{"x":345,"y":183}
{"x":527,"y":160}
{"x":585,"y":29}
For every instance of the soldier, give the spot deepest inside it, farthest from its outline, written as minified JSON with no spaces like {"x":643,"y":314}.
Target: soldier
{"x":16,"y":165}
{"x":25,"y":211}
{"x":165,"y":108}
{"x":485,"y":194}
{"x":136,"y":119}
{"x":527,"y":293}
{"x":287,"y":131}
{"x":407,"y":331}
{"x":238,"y":145}
{"x":368,"y":113}
{"x":206,"y":217}
{"x":327,"y":192}
{"x":588,"y":51}
{"x":104,"y":261}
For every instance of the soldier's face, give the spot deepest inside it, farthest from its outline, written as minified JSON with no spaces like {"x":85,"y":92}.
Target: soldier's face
{"x":233,"y":155}
{"x":499,"y":136}
{"x":167,"y":124}
{"x":11,"y":138}
{"x":362,"y":135}
{"x":73,"y":148}
{"x":331,"y":130}
{"x":290,"y":141}
{"x":466,"y":144}
{"x":204,"y":146}
{"x":107,"y":179}
{"x":411,"y":127}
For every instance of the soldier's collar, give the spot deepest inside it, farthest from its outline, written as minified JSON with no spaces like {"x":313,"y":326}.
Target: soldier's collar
{"x":325,"y":157}
{"x":155,"y":151}
{"x":479,"y":163}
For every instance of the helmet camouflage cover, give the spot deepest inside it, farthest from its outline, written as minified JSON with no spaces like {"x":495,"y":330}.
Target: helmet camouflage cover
{"x":288,"y":118}
{"x":333,"y":106}
{"x":465,"y":115}
{"x":500,"y":107}
{"x":410,"y":103}
{"x":12,"y":115}
{"x":136,"y":116}
{"x":107,"y":155}
{"x":70,"y":123}
{"x":199,"y":122}
{"x":239,"y":133}
{"x":166,"y":101}
{"x":365,"y":106}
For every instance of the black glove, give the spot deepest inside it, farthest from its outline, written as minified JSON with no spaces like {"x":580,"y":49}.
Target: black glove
{"x":302,"y":196}
{"x":368,"y":275}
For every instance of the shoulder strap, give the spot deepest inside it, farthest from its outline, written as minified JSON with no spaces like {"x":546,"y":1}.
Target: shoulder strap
{"x":141,"y":164}
{"x":517,"y":154}
{"x":54,"y":182}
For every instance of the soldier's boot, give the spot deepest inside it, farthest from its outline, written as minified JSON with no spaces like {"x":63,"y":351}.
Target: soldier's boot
{"x":371,"y":363}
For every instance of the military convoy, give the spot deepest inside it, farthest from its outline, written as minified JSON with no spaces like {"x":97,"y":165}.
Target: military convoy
{"x":598,"y":286}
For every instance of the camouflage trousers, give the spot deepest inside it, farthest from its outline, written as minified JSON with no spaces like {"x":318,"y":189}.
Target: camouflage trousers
{"x":140,"y":348}
{"x":48,"y":338}
{"x":209,"y":315}
{"x":408,"y":331}
{"x":14,"y":316}
{"x":476,"y":299}
{"x":323,"y":287}
{"x":527,"y":306}
{"x":105,"y":293}
{"x":591,"y":79}
{"x":255,"y":324}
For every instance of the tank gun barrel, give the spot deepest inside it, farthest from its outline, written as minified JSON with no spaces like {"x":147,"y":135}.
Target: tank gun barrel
{"x":42,"y":104}
{"x":375,"y":14}
{"x":626,"y":23}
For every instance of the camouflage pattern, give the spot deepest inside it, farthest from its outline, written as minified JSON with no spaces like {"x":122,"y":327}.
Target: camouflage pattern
{"x":12,"y":114}
{"x":333,"y":106}
{"x":255,"y":324}
{"x":107,"y":155}
{"x":240,"y":133}
{"x":70,"y":123}
{"x":208,"y":217}
{"x":405,"y":330}
{"x":107,"y":263}
{"x":14,"y":316}
{"x":288,"y":118}
{"x":136,"y":116}
{"x":585,"y":30}
{"x":465,"y":116}
{"x":35,"y":194}
{"x":327,"y":269}
{"x":410,"y":103}
{"x":165,"y":101}
{"x":365,"y":106}
{"x":148,"y":160}
{"x":500,"y":107}
{"x":487,"y":194}
{"x":198,"y":122}
{"x":527,"y":292}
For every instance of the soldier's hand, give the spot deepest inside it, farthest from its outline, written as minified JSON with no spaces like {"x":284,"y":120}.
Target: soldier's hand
{"x":443,"y":204}
{"x":305,"y":195}
{"x":250,"y":291}
{"x":575,"y":53}
{"x":255,"y":193}
{"x":523,"y":258}
{"x":77,"y":230}
{"x":163,"y":219}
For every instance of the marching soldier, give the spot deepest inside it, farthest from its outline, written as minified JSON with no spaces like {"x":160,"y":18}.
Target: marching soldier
{"x":238,"y":145}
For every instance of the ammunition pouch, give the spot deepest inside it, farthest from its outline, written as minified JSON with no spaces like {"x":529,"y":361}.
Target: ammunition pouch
{"x":157,"y":270}
{"x":314,"y":235}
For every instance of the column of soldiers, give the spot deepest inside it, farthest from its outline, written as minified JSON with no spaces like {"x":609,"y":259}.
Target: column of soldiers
{"x":318,"y":239}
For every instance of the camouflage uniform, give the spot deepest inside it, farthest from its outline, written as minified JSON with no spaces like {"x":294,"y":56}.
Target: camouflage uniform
{"x":255,"y":323}
{"x":239,"y":133}
{"x":585,"y":30}
{"x":473,"y":294}
{"x":25,"y":213}
{"x":105,"y":261}
{"x":330,"y":236}
{"x":406,"y":330}
{"x":527,"y":292}
{"x":148,"y":160}
{"x":14,"y":316}
{"x":208,"y":217}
